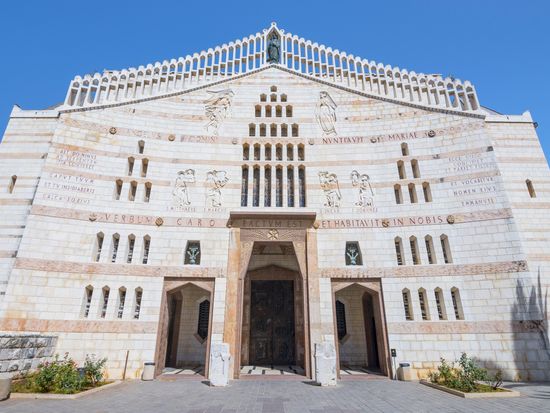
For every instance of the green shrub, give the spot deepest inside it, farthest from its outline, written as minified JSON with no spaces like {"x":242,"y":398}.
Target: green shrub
{"x":94,"y":370}
{"x":463,"y":375}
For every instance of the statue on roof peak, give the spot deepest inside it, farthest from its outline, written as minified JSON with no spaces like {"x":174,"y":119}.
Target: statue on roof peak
{"x":273,"y":49}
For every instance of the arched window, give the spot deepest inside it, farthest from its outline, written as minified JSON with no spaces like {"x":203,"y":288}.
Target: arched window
{"x":440,"y":303}
{"x":404,"y":149}
{"x":138,"y":294}
{"x":341,"y":327}
{"x":268,"y":111}
{"x":294,"y":130}
{"x":251,"y":129}
{"x":104,"y":301}
{"x":446,"y":249}
{"x":273,"y":89}
{"x":132,"y":191}
{"x":267,"y":152}
{"x":457,"y":303}
{"x":399,"y":251}
{"x":423,"y":300}
{"x":414,"y":250}
{"x":267,"y":186}
{"x":283,"y":98}
{"x":427,"y":192}
{"x":401,"y":170}
{"x":302,"y":185}
{"x":406,"y":294}
{"x":147,"y":192}
{"x":114,"y":247}
{"x":244,"y":187}
{"x":146,"y":248}
{"x":263,"y":129}
{"x":284,"y":130}
{"x":87,"y":301}
{"x":263,"y":97}
{"x":415,"y":168}
{"x":141,"y":146}
{"x":144,"y":167}
{"x":98,"y":246}
{"x":290,"y":186}
{"x":257,"y":150}
{"x":11,"y":186}
{"x":279,"y":186}
{"x":131,"y":245}
{"x":273,"y":97}
{"x":530,"y":188}
{"x":118,"y":189}
{"x":130,"y":168}
{"x":258,"y":111}
{"x":246,"y":152}
{"x":273,"y":130}
{"x":301,"y":152}
{"x":121,"y":301}
{"x":278,"y":111}
{"x":288,"y":111}
{"x":289,"y":152}
{"x":278,"y":152}
{"x":203,"y":319}
{"x":398,"y":194}
{"x":256,"y":186}
{"x":430,"y":249}
{"x":412,"y":193}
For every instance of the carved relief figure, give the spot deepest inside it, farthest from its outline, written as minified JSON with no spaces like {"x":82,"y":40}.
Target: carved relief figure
{"x":180,"y":192}
{"x":217,"y":107}
{"x":273,"y":49}
{"x":366,"y":193}
{"x":326,"y":114}
{"x":215,"y":180}
{"x":352,"y":254}
{"x":331,"y":188}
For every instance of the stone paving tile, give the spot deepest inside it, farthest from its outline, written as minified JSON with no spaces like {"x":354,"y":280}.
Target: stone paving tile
{"x":263,"y":396}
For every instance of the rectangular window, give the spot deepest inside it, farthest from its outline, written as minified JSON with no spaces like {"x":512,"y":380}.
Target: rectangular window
{"x":146,"y":246}
{"x":290,"y":186}
{"x":87,"y":301}
{"x":131,"y":244}
{"x":104,"y":301}
{"x":121,"y":300}
{"x":116,"y":240}
{"x":256,"y":187}
{"x":244,"y":188}
{"x":423,"y":304}
{"x":440,"y":303}
{"x":302,"y":188}
{"x":414,"y":251}
{"x":279,"y":187}
{"x":137,"y":307}
{"x":267,"y":187}
{"x":407,"y":305}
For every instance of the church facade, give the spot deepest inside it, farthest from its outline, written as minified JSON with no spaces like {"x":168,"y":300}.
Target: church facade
{"x":276,"y":202}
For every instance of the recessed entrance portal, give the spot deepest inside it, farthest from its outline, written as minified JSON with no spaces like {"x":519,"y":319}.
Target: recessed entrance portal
{"x":272,"y":323}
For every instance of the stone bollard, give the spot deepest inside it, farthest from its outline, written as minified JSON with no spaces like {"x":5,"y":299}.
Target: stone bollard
{"x":148,"y":371}
{"x":218,"y":373}
{"x":325,"y":364}
{"x":5,"y":386}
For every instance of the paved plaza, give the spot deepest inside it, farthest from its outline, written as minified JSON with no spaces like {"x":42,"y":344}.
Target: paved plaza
{"x":276,"y":395}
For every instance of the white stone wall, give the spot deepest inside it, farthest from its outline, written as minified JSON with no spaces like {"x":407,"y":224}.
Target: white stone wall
{"x":353,"y":347}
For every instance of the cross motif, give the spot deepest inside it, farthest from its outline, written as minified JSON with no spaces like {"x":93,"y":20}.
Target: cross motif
{"x":273,"y":234}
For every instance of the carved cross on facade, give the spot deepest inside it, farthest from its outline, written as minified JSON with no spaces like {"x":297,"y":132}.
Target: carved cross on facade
{"x":273,"y":234}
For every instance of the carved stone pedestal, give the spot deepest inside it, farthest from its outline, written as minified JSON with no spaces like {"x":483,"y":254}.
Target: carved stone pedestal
{"x":325,"y":364}
{"x":219,"y":364}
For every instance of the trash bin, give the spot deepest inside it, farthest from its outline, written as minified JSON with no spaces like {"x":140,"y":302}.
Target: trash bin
{"x":148,"y":372}
{"x":404,"y":372}
{"x":5,"y":386}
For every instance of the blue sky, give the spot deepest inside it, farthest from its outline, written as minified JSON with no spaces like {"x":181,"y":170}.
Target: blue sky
{"x":503,"y":47}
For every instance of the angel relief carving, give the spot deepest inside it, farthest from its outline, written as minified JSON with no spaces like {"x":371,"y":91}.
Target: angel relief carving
{"x":325,"y":114}
{"x":215,"y":180}
{"x":366,"y":194}
{"x":331,"y":188}
{"x":217,"y":108}
{"x":181,"y":190}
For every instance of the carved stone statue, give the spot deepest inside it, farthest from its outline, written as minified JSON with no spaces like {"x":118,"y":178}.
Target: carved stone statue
{"x":217,"y":107}
{"x":326,"y":114}
{"x":215,"y":181}
{"x":352,"y":254}
{"x":220,"y":357}
{"x":273,"y":49}
{"x":366,"y":193}
{"x":193,"y":253}
{"x":180,"y":192}
{"x":331,"y":188}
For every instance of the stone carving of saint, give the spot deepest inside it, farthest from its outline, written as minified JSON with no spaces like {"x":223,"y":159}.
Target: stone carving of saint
{"x":326,"y":114}
{"x":217,"y":107}
{"x":181,"y":192}
{"x":331,"y":188}
{"x":366,"y":193}
{"x":215,"y":180}
{"x":273,"y":49}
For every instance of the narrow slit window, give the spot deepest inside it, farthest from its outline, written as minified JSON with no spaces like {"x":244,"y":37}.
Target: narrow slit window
{"x":290,"y":186}
{"x":412,"y":193}
{"x":256,"y":187}
{"x":244,"y":187}
{"x":88,"y":293}
{"x":414,"y":250}
{"x":398,"y":194}
{"x":137,"y":304}
{"x":404,"y":149}
{"x":118,"y":189}
{"x":262,"y":129}
{"x":457,"y":304}
{"x":130,"y":166}
{"x":302,"y":188}
{"x":430,"y":249}
{"x":401,"y":170}
{"x":399,"y":251}
{"x":98,"y":246}
{"x":447,"y":257}
{"x":246,"y":152}
{"x":284,"y":130}
{"x":279,"y":153}
{"x":258,"y":111}
{"x":104,"y":302}
{"x":147,"y":192}
{"x":415,"y":168}
{"x":121,"y":301}
{"x":289,"y":152}
{"x":278,"y":111}
{"x":531,"y":188}
{"x":267,"y":152}
{"x":146,"y":248}
{"x":273,"y":130}
{"x":440,"y":303}
{"x":203,"y":319}
{"x":301,"y":153}
{"x":407,"y":304}
{"x":427,"y":192}
{"x":257,"y":152}
{"x":424,"y":308}
{"x":294,"y":130}
{"x":114,"y":247}
{"x":267,"y":186}
{"x":144,"y":167}
{"x":341,"y":326}
{"x":141,"y":146}
{"x":289,"y":111}
{"x":251,"y":130}
{"x":132,"y":191}
{"x":11,"y":186}
{"x":131,"y":245}
{"x":268,"y":111}
{"x":279,"y":187}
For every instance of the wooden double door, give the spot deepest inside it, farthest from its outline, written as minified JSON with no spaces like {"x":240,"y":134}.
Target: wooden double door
{"x":272,"y":335}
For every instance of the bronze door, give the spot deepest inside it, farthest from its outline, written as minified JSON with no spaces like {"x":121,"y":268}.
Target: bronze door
{"x":272,"y":323}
